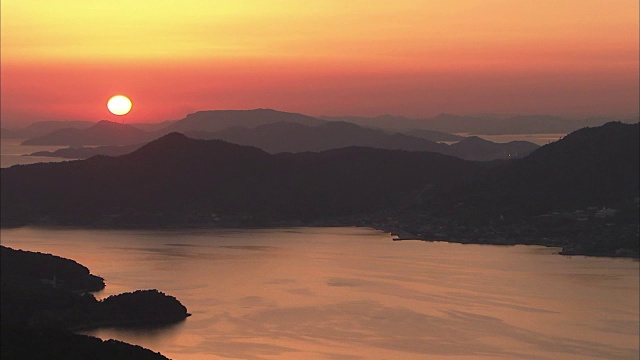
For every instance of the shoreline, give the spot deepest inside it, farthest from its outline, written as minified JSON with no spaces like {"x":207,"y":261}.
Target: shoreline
{"x":566,"y":248}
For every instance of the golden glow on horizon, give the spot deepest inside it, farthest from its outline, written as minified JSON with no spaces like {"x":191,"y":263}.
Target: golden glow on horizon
{"x":119,"y":30}
{"x":321,"y":57}
{"x":119,"y":105}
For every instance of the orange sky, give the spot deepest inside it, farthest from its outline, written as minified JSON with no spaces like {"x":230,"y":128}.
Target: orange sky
{"x":64,"y":59}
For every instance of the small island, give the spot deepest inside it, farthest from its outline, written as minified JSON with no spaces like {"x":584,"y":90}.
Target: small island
{"x":45,"y":297}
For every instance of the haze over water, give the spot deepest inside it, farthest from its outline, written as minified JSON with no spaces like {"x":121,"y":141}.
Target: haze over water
{"x":12,"y":153}
{"x":353,"y":293}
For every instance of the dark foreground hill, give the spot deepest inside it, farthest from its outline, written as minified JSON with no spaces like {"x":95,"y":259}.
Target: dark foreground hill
{"x":591,"y":167}
{"x":45,"y":297}
{"x":580,"y":193}
{"x":478,"y":149}
{"x":175,"y":178}
{"x":23,"y":343}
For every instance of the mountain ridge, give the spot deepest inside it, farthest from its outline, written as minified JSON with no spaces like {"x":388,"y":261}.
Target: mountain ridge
{"x":103,"y":132}
{"x":213,"y":120}
{"x":272,"y":131}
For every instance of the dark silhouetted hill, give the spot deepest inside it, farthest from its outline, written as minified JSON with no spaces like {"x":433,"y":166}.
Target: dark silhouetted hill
{"x":215,"y":120}
{"x":591,"y":167}
{"x":175,"y":177}
{"x":475,"y":148}
{"x":23,"y":343}
{"x":580,"y":193}
{"x":31,"y":267}
{"x":101,"y":133}
{"x":295,"y":137}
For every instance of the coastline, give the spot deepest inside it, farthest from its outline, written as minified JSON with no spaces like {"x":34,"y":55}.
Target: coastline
{"x":568,"y":246}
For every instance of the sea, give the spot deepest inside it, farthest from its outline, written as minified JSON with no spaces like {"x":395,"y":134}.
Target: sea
{"x":355,"y":293}
{"x":13,"y":153}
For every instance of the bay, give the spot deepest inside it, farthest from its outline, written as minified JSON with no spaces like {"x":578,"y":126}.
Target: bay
{"x":353,"y":293}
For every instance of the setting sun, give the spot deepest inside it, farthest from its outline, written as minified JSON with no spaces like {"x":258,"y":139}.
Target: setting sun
{"x":119,"y":105}
{"x":367,"y":58}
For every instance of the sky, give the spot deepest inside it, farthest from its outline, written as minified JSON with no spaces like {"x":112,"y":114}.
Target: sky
{"x":62,"y":60}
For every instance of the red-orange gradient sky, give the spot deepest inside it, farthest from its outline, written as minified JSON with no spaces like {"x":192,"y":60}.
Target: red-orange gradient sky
{"x":62,"y":60}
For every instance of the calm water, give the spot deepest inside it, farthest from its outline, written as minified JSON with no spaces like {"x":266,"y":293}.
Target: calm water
{"x":540,"y":139}
{"x":12,"y":153}
{"x":353,"y":293}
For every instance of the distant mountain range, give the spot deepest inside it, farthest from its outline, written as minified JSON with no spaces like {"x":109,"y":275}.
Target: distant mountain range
{"x":481,"y":124}
{"x":42,"y":128}
{"x":295,"y":137}
{"x":295,"y":133}
{"x":438,"y":128}
{"x":216,"y":120}
{"x":101,"y":133}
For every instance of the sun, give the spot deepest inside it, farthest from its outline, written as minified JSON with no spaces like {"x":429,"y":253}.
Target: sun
{"x":119,"y":105}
